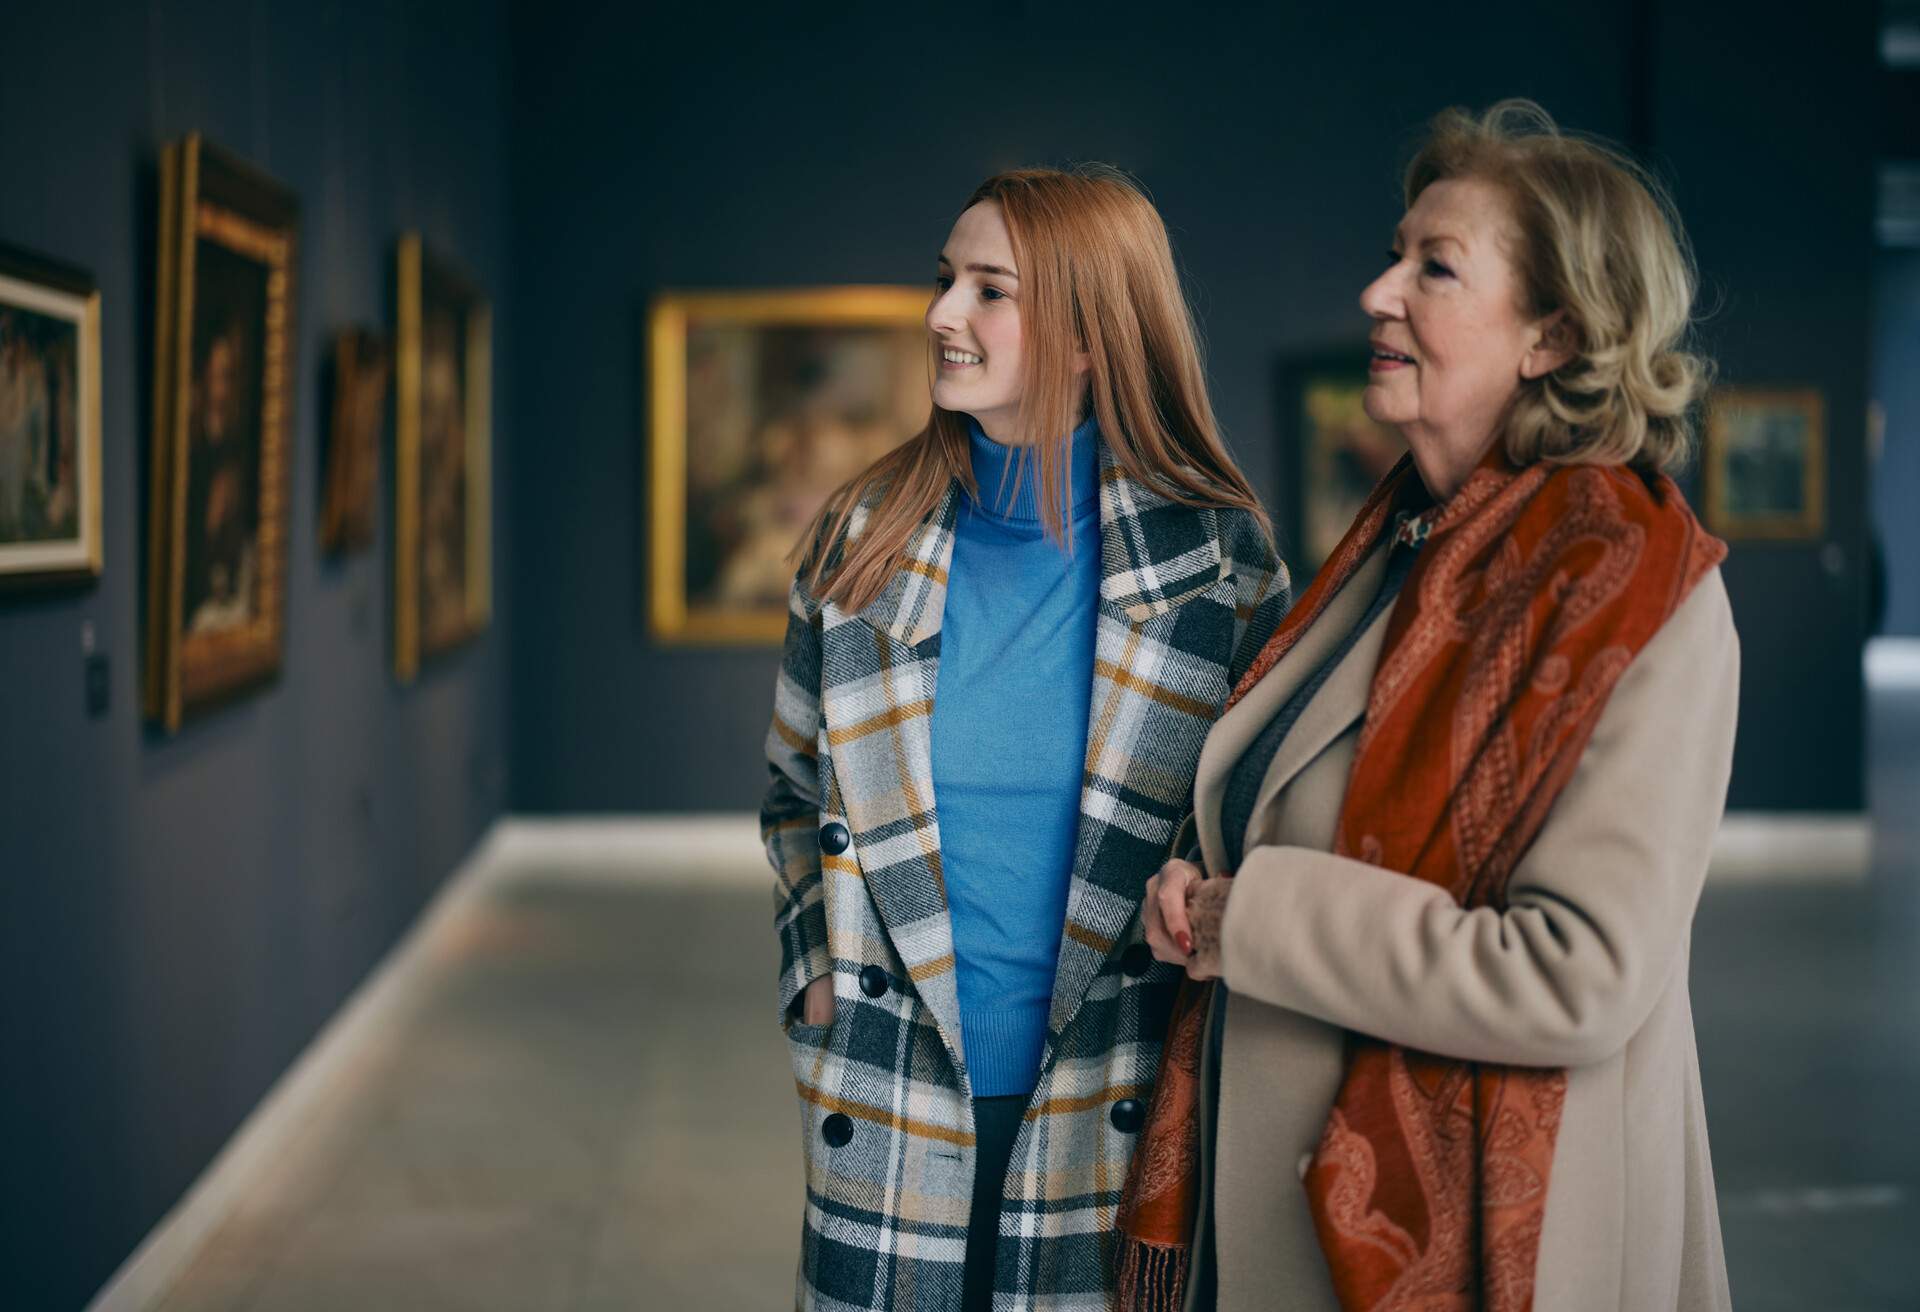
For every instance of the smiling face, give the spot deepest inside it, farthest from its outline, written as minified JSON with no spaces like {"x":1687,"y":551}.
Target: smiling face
{"x":975,"y":321}
{"x":1451,"y":343}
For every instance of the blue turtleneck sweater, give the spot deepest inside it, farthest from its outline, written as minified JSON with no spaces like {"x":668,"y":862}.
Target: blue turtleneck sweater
{"x":1009,"y":749}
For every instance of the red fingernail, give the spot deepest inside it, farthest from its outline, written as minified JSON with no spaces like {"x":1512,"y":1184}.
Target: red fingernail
{"x":1186,"y":943}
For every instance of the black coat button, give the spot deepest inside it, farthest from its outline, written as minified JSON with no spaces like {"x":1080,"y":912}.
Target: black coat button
{"x":873,"y":981}
{"x":834,"y":838}
{"x":837,"y":1129}
{"x":1136,"y":960}
{"x":1127,"y":1115}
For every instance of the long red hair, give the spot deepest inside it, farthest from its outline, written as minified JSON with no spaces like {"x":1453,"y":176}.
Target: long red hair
{"x":1096,"y":275}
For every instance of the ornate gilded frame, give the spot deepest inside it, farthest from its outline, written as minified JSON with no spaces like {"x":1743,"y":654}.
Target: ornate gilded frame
{"x":420,"y":276}
{"x":58,"y":291}
{"x":1803,"y":404}
{"x":208,"y":195}
{"x":671,"y":618}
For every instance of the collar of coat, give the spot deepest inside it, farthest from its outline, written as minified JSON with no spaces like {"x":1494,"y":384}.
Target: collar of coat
{"x":1154,"y":554}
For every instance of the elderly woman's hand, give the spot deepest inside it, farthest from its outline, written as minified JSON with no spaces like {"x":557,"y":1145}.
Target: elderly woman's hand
{"x":1182,"y":912}
{"x":1164,"y":910}
{"x":1206,"y":911}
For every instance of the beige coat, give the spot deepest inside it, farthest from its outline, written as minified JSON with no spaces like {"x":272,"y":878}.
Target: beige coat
{"x":1587,"y":969}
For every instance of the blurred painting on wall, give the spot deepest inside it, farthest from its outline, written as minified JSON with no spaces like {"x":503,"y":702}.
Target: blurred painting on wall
{"x":1335,"y":453}
{"x":49,"y":420}
{"x":222,"y":390}
{"x":358,"y":371}
{"x":762,"y":403}
{"x":443,"y":459}
{"x":1764,"y":463}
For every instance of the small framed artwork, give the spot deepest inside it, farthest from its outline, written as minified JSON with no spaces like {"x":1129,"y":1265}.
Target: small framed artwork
{"x":1764,"y":463}
{"x":223,"y":383}
{"x":358,"y":367}
{"x":1334,"y":454}
{"x":443,"y":444}
{"x":761,"y":404}
{"x":49,"y":420}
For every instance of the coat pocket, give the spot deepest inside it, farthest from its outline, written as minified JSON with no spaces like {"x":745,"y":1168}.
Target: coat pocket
{"x":808,"y":1036}
{"x":807,"y":1046}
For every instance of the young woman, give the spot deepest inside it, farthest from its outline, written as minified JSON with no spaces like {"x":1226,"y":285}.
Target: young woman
{"x":1006,"y":642}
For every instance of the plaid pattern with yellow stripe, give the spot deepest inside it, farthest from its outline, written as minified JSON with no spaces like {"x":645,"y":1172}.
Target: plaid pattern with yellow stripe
{"x":1187,"y":597}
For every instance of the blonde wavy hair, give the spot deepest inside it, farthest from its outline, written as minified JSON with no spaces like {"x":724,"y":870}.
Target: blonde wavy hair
{"x":1597,"y":237}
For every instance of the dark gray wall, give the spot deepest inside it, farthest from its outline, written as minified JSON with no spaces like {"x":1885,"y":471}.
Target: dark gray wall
{"x":770,"y":149}
{"x":181,"y":914}
{"x":1779,"y":203}
{"x":1896,"y":479}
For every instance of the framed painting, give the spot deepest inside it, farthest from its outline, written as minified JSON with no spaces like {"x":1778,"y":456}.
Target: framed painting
{"x":358,"y":367}
{"x":223,"y":382}
{"x":49,"y":420}
{"x":443,"y":444}
{"x":1334,"y":454}
{"x":1764,"y":463}
{"x":761,"y":404}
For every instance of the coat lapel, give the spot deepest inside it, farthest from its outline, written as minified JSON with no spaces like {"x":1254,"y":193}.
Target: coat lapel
{"x":1234,"y":734}
{"x":910,"y":608}
{"x":880,"y":666}
{"x":1163,"y":643}
{"x":1334,"y":708}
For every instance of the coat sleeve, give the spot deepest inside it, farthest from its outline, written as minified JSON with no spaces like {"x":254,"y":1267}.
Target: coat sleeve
{"x":1263,"y":590}
{"x":790,"y":811}
{"x":1598,"y":911}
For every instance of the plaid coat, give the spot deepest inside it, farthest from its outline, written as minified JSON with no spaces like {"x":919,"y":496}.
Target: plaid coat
{"x":1186,"y":598}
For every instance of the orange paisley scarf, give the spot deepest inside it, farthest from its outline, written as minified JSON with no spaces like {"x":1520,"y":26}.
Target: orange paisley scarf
{"x":1535,"y":590}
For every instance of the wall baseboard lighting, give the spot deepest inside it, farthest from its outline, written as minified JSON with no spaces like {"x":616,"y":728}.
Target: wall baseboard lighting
{"x":1892,"y":663}
{"x":1792,"y":847}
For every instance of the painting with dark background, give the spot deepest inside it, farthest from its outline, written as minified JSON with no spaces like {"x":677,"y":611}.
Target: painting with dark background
{"x":39,"y":426}
{"x":358,"y":367}
{"x":1764,"y":460}
{"x":443,"y":472}
{"x":443,"y":539}
{"x":50,"y":523}
{"x":224,"y":308}
{"x":224,"y":437}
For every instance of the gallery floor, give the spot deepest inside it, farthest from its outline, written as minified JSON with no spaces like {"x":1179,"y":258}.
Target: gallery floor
{"x":566,"y":1092}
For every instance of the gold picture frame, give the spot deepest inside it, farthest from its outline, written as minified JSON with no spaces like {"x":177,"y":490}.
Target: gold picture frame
{"x":223,"y":383}
{"x":1764,"y":463}
{"x":760,"y":403}
{"x":443,"y":445}
{"x":50,"y":519}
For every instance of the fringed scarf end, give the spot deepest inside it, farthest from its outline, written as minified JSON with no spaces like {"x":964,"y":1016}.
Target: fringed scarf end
{"x":1152,"y":1277}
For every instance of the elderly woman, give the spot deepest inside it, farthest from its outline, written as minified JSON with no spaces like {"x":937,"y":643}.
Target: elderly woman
{"x":1455,"y":821}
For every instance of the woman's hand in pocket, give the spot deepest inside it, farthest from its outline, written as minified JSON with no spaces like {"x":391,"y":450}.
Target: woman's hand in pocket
{"x":816,"y":1003}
